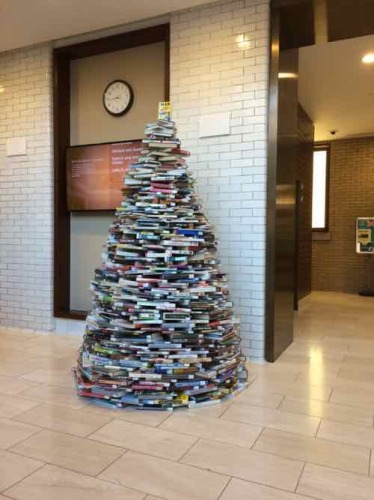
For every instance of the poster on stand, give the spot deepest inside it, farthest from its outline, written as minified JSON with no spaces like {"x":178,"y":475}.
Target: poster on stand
{"x":365,"y":235}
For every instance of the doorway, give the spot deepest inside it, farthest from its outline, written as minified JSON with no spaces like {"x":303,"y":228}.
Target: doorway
{"x":291,"y":243}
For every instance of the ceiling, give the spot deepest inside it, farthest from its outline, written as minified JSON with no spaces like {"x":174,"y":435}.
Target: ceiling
{"x":337,"y":89}
{"x":27,"y":22}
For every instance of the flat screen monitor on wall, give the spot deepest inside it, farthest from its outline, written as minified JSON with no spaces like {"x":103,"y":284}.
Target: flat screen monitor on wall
{"x":95,"y":174}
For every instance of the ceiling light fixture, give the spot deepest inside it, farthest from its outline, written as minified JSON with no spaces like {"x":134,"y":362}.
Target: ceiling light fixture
{"x":287,"y":75}
{"x":2,"y":89}
{"x":368,"y":58}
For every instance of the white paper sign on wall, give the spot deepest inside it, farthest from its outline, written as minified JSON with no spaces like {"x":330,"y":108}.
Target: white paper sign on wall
{"x":16,"y":146}
{"x":214,"y":124}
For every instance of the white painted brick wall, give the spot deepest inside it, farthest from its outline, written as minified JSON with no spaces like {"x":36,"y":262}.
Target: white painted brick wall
{"x":26,"y":183}
{"x":210,"y":73}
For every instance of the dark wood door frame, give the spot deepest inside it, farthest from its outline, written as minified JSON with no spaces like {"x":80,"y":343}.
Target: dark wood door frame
{"x":297,"y":246}
{"x":61,"y":122}
{"x":291,"y":27}
{"x":304,"y":193}
{"x":271,"y":186}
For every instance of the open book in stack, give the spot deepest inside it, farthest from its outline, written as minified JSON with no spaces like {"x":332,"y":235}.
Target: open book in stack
{"x":162,"y":333}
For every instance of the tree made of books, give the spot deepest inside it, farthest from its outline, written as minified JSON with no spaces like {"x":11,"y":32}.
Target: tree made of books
{"x":162,"y":333}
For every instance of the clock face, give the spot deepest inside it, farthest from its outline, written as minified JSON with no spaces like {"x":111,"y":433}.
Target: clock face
{"x":118,"y":98}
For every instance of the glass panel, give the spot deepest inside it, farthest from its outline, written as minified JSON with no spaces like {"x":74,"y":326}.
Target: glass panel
{"x":319,"y":189}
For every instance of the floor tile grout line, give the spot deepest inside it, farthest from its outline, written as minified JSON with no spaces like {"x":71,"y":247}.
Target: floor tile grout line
{"x":203,"y":469}
{"x":20,"y":396}
{"x":225,"y":411}
{"x":26,"y":397}
{"x":278,"y":407}
{"x":242,"y":402}
{"x":225,"y":488}
{"x":312,"y":462}
{"x":44,"y":464}
{"x":346,"y":443}
{"x":301,"y":473}
{"x":52,"y":429}
{"x":306,"y":495}
{"x":352,"y":424}
{"x":24,"y":411}
{"x":63,"y":405}
{"x":329,"y":400}
{"x":318,"y":427}
{"x":298,"y":483}
{"x":17,"y":394}
{"x":274,"y":488}
{"x":171,"y":413}
{"x":370,"y":458}
{"x":80,"y":438}
{"x":197,"y":467}
{"x":112,"y":463}
{"x":277,"y":428}
{"x":177,"y":433}
{"x":24,"y":439}
{"x":332,"y":403}
{"x":351,"y":405}
{"x":198,"y":439}
{"x":98,"y":429}
{"x":54,"y":386}
{"x":257,"y":439}
{"x":121,"y":418}
{"x":28,"y":372}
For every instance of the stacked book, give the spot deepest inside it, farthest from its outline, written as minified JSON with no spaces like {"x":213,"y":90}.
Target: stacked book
{"x":162,"y":333}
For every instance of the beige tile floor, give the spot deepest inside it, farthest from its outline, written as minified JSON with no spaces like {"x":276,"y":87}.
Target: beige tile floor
{"x":302,"y":429}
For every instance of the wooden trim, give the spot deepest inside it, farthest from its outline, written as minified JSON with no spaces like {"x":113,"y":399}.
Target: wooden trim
{"x":297,"y":247}
{"x":62,"y":58}
{"x":276,"y":4}
{"x":114,"y":43}
{"x":167,"y":63}
{"x":103,"y":144}
{"x":271,"y":187}
{"x":71,"y":314}
{"x":61,"y":122}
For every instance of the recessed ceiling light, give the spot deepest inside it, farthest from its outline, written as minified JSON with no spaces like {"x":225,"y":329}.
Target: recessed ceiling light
{"x":368,"y":58}
{"x":287,"y":75}
{"x":2,"y":89}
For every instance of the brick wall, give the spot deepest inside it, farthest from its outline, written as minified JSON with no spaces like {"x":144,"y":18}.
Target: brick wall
{"x":26,"y":190}
{"x":336,"y":266}
{"x":210,"y":73}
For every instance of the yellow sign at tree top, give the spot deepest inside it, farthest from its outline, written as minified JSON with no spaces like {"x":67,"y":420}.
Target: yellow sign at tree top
{"x":164,"y":110}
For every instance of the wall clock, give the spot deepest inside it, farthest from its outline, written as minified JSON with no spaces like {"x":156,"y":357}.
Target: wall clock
{"x":118,"y":97}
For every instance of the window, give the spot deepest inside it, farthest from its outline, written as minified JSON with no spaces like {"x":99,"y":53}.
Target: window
{"x":320,"y":188}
